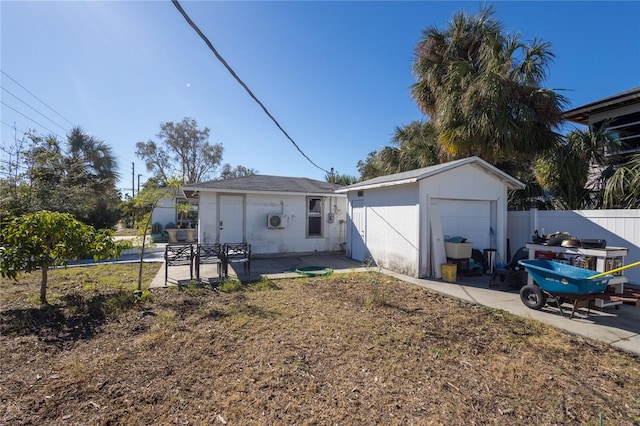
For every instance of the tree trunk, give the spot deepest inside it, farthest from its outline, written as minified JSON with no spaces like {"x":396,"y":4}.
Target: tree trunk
{"x":43,"y":285}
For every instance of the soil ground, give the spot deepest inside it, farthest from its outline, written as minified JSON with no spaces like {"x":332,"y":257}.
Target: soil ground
{"x":345,"y":349}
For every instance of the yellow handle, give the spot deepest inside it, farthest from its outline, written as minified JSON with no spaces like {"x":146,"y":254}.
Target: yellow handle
{"x":631,"y":265}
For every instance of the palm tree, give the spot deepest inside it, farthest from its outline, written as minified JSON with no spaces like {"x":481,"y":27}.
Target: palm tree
{"x":94,"y":155}
{"x":417,"y":146}
{"x":91,"y":170}
{"x":371,"y":167}
{"x":482,"y":90}
{"x":623,"y":188}
{"x":340,"y":179}
{"x":575,"y":171}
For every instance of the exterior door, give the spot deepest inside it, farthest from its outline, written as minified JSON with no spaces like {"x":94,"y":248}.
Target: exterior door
{"x":358,"y":230}
{"x":231,"y":221}
{"x":470,"y":219}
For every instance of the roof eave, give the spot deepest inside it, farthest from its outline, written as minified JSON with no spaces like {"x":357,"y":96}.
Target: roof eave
{"x":356,"y":187}
{"x":260,"y":192}
{"x":581,"y":114}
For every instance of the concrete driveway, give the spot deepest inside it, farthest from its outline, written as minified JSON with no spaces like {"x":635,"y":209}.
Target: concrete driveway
{"x":618,"y":326}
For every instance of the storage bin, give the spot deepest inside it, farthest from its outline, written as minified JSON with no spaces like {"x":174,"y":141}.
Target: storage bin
{"x":449,"y":272}
{"x":458,"y":250}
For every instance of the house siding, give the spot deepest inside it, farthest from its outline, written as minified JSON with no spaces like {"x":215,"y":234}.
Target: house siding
{"x":292,"y":238}
{"x":391,"y":234}
{"x":165,"y":211}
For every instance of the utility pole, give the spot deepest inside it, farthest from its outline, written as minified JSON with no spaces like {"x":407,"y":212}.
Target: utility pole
{"x":133,"y":179}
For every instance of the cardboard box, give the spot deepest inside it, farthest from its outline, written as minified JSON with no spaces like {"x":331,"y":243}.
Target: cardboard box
{"x":458,"y":250}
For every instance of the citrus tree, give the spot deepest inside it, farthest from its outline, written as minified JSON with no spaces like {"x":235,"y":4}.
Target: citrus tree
{"x":38,"y":241}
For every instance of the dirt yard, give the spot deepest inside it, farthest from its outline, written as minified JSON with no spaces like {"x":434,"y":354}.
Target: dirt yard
{"x":339,"y":350}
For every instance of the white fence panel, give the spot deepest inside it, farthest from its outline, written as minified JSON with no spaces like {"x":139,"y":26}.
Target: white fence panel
{"x":620,"y":228}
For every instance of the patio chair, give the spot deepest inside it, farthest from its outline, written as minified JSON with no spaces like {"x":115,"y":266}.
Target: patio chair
{"x":236,"y":253}
{"x":178,"y":255}
{"x":513,"y":274}
{"x":209,"y":254}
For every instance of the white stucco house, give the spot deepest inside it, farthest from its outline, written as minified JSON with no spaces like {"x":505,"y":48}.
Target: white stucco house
{"x":400,"y":221}
{"x":275,"y":214}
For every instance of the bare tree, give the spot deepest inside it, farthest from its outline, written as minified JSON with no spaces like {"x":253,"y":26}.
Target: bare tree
{"x":184,"y":150}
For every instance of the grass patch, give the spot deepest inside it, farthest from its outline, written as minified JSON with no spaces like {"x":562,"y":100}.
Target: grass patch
{"x":231,"y":285}
{"x":103,"y":277}
{"x":127,"y":232}
{"x":315,"y":351}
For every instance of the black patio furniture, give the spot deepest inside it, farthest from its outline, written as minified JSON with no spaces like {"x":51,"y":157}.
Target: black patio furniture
{"x":211,"y":254}
{"x":236,"y":253}
{"x":512,"y":275}
{"x":178,"y":255}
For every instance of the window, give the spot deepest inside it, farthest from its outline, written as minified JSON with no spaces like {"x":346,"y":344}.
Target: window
{"x":626,"y":128}
{"x":314,"y":217}
{"x":187,"y":213}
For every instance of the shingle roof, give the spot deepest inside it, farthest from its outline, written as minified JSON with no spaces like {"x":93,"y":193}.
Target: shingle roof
{"x":265,"y":183}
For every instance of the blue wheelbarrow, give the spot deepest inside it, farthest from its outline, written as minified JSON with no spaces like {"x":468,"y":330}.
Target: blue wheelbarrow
{"x":560,"y":281}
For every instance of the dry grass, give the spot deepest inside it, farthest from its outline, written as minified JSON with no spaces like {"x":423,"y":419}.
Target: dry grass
{"x":346,"y":349}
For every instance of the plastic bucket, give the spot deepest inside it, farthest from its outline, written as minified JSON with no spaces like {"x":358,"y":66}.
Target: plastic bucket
{"x":449,"y":272}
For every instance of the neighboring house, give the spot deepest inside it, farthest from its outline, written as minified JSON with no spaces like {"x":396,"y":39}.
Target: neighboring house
{"x":175,"y":209}
{"x":620,"y":113}
{"x":399,"y":221}
{"x":275,"y":214}
{"x":165,"y":212}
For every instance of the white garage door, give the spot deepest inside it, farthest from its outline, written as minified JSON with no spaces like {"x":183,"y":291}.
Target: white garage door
{"x":468,"y":219}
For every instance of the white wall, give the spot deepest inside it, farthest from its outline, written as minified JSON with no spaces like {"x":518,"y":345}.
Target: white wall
{"x":391,"y":232}
{"x":621,"y":228}
{"x":164,"y":212}
{"x":291,"y":239}
{"x":208,"y":228}
{"x":470,"y":183}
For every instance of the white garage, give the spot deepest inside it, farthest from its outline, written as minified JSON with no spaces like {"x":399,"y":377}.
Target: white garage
{"x":399,"y":222}
{"x":470,"y":219}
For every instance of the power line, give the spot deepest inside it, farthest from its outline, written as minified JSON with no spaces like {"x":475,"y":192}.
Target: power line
{"x":29,"y":118}
{"x":13,"y":126}
{"x":226,"y":65}
{"x":6,"y":90}
{"x":41,"y":101}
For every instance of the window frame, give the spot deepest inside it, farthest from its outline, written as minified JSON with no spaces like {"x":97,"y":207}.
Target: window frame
{"x":311,"y":214}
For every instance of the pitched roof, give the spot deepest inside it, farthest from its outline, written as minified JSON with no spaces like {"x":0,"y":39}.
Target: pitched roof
{"x":263,"y":183}
{"x":419,"y":174}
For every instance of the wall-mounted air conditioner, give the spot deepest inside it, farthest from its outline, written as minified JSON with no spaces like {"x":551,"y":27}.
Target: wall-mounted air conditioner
{"x":276,"y":221}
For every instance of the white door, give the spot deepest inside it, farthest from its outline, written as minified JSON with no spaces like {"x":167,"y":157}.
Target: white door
{"x":470,"y":219}
{"x":231,"y":219}
{"x":358,"y":230}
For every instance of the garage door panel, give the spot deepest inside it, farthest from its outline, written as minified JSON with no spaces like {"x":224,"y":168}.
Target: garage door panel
{"x":468,"y":219}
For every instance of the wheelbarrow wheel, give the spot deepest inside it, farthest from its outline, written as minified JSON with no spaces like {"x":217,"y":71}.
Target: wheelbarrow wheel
{"x":533,"y":297}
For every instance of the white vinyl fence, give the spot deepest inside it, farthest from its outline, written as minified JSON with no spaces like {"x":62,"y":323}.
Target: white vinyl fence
{"x":620,"y":228}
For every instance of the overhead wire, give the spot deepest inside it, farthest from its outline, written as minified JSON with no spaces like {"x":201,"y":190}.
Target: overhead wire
{"x":25,"y":103}
{"x":193,"y":25}
{"x":31,"y":119}
{"x":40,"y":100}
{"x":43,"y":115}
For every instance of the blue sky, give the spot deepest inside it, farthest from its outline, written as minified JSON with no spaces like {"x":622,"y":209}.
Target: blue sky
{"x":336,"y":75}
